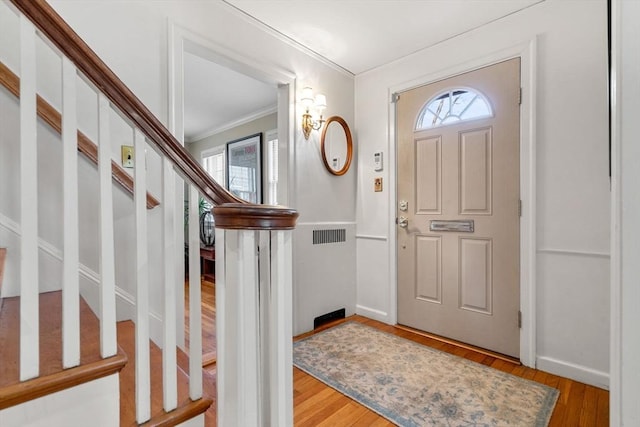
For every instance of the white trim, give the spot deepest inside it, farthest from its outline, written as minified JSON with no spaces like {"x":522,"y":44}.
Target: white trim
{"x":325,"y":223}
{"x":286,"y":39}
{"x":182,"y":39}
{"x":372,"y":313}
{"x":571,"y":370}
{"x":371,"y":237}
{"x":527,"y":52}
{"x":615,"y":344}
{"x":189,"y":41}
{"x":235,"y":123}
{"x":569,"y":252}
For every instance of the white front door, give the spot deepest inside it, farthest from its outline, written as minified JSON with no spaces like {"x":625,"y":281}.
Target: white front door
{"x":458,"y":207}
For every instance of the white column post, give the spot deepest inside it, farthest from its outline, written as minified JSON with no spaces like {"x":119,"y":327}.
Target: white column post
{"x":254,"y":306}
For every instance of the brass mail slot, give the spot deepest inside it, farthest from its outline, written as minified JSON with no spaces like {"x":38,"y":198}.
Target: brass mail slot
{"x":460,"y":226}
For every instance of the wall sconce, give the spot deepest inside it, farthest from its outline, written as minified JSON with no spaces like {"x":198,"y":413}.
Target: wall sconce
{"x":319,"y":103}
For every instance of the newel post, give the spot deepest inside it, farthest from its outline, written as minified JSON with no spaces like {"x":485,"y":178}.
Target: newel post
{"x":254,"y":315}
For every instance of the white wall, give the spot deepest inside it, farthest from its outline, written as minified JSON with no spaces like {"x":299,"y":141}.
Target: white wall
{"x":131,"y":37}
{"x":625,"y":293}
{"x":571,"y":175}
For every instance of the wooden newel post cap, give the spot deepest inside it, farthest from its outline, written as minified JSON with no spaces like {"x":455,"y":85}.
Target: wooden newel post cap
{"x":242,"y":216}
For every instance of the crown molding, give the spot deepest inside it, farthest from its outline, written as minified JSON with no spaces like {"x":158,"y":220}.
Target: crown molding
{"x":235,"y":123}
{"x":285,"y":39}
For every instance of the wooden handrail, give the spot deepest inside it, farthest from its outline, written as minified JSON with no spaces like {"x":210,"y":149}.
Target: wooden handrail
{"x":74,"y":48}
{"x":53,"y":118}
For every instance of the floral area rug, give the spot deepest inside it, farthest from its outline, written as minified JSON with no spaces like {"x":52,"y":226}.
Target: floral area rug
{"x":414,"y":385}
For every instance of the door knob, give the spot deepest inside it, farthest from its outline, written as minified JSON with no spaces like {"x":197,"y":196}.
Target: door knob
{"x":403,"y":222}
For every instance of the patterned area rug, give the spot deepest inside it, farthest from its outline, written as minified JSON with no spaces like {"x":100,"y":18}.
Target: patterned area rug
{"x":414,"y":385}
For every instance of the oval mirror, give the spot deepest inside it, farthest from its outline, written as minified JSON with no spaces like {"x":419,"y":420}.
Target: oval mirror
{"x":336,"y":145}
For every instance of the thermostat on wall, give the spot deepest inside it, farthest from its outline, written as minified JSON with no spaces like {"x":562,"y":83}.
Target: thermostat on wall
{"x":377,"y":161}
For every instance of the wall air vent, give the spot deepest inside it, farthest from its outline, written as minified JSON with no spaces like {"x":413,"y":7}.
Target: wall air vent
{"x":337,"y":235}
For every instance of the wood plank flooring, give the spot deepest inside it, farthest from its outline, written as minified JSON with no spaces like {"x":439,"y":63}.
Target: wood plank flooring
{"x":208,"y":320}
{"x":316,"y":404}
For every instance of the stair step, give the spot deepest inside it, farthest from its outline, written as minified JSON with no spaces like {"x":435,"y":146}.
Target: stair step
{"x":52,"y":377}
{"x":187,"y":408}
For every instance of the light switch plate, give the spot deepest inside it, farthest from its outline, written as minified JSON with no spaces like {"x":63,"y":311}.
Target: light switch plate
{"x":127,"y":156}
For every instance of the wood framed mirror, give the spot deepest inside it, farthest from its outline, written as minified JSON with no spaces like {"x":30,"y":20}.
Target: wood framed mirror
{"x":336,"y":145}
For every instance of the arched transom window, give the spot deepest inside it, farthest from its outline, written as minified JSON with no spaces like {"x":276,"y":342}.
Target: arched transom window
{"x":452,"y":106}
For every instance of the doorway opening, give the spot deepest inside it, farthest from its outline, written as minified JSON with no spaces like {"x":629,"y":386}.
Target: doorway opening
{"x":218,"y":98}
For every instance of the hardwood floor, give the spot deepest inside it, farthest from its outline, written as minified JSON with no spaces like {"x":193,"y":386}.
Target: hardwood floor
{"x":316,"y":404}
{"x":208,"y":321}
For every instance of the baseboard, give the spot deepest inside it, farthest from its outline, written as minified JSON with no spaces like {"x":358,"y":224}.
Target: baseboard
{"x":372,"y":313}
{"x":575,"y":372}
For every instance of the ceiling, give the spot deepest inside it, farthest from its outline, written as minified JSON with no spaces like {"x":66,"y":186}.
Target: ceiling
{"x":217,"y":97}
{"x":359,"y":35}
{"x":356,"y":35}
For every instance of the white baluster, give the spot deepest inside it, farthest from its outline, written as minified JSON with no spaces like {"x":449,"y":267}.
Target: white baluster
{"x":143,"y":368}
{"x":195,"y":298}
{"x":29,"y":280}
{"x":170,"y":391}
{"x":70,"y":275}
{"x":108,"y":336}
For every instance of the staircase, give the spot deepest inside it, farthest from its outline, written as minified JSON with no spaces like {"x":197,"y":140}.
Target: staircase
{"x":71,"y":354}
{"x":53,"y":378}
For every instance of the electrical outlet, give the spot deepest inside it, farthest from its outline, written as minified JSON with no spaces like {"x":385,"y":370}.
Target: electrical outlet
{"x":377,"y":184}
{"x":127,"y":156}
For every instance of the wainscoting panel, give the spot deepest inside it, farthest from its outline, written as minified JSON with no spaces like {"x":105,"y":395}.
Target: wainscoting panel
{"x":324,"y":271}
{"x":373,"y":278}
{"x":573,"y":315}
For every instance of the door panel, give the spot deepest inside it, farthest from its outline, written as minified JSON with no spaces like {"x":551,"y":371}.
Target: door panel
{"x":476,"y":279}
{"x":462,"y":285}
{"x":428,"y":182}
{"x":475,"y":172}
{"x":428,"y":269}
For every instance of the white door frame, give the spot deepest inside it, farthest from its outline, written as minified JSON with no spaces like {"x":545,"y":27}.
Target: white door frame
{"x":527,"y":53}
{"x":181,"y":39}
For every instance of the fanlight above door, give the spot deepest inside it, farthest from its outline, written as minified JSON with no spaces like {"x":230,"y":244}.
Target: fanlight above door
{"x":454,"y":105}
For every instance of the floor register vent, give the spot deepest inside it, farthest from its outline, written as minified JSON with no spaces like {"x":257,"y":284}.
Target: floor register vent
{"x":337,"y":235}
